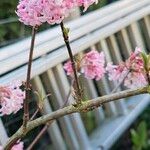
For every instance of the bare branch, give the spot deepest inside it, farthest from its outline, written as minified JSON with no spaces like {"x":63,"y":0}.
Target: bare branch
{"x":83,"y":107}
{"x":118,"y":85}
{"x":42,"y":132}
{"x":35,"y":113}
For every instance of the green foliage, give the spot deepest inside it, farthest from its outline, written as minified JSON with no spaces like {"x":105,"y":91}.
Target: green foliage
{"x":12,"y":31}
{"x":146,"y":59}
{"x":139,"y":137}
{"x":7,"y":8}
{"x":126,"y":142}
{"x":89,"y":121}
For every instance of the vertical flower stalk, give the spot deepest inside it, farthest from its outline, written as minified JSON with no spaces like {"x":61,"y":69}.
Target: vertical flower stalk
{"x":77,"y":89}
{"x":27,"y":85}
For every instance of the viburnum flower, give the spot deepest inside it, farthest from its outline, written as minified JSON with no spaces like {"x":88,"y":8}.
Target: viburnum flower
{"x":36,"y":12}
{"x":68,"y":68}
{"x":135,"y":80}
{"x":86,"y":3}
{"x":91,"y":65}
{"x":131,"y":71}
{"x":135,"y":60}
{"x":116,"y":72}
{"x":30,"y":12}
{"x":11,"y":98}
{"x":55,"y":11}
{"x":18,"y":146}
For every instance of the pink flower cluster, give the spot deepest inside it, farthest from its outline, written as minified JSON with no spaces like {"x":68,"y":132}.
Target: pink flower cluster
{"x":11,"y":98}
{"x":91,"y":65}
{"x":132,"y":71}
{"x":68,"y":68}
{"x":116,"y":72}
{"x":36,"y":12}
{"x":135,"y":80}
{"x":18,"y":146}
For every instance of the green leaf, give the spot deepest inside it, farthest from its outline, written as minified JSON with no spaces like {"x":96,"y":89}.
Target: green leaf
{"x":66,"y":31}
{"x":148,"y":89}
{"x":145,"y":59}
{"x":148,"y":64}
{"x":134,"y":137}
{"x":139,"y":137}
{"x":142,"y":131}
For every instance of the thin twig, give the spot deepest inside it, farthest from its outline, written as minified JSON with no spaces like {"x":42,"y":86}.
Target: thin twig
{"x":118,"y":85}
{"x":77,"y":85}
{"x":69,"y":93}
{"x":38,"y":107}
{"x":27,"y":85}
{"x":35,"y":113}
{"x":38,"y":137}
{"x":43,"y":131}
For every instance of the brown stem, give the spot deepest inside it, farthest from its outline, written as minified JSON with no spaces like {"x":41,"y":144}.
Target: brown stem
{"x":86,"y":106}
{"x":77,"y":85}
{"x":27,"y":85}
{"x":148,"y":77}
{"x":35,"y":113}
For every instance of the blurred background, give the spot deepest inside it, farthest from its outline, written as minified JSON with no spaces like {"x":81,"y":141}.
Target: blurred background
{"x":11,"y":31}
{"x":9,"y":24}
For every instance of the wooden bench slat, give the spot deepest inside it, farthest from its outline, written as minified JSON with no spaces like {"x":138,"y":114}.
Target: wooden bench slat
{"x":53,"y":130}
{"x":83,"y":43}
{"x":54,"y":32}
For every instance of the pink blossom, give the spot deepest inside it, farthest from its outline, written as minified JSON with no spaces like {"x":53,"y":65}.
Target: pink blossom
{"x":116,"y":73}
{"x":55,"y":11}
{"x":36,"y":12}
{"x":18,"y":146}
{"x":135,"y":60}
{"x":131,"y":71}
{"x":135,"y":80}
{"x":30,"y":12}
{"x":68,"y":68}
{"x":93,"y":65}
{"x":11,"y":98}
